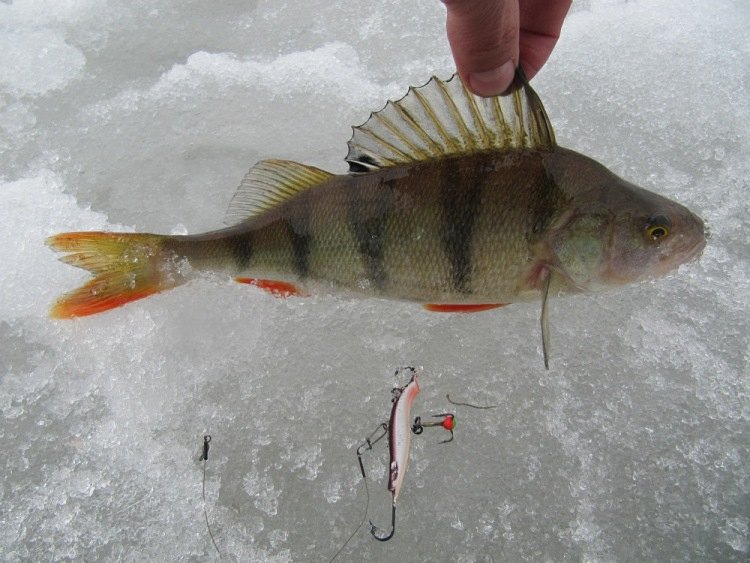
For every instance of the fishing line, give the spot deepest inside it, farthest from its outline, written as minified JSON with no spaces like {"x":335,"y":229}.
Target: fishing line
{"x":204,"y":459}
{"x":366,"y":445}
{"x":361,"y":522}
{"x":452,"y":402}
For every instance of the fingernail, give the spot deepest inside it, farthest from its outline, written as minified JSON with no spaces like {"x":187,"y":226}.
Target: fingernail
{"x":492,"y":82}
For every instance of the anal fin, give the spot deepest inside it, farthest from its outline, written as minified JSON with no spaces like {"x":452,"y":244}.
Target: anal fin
{"x":274,"y":287}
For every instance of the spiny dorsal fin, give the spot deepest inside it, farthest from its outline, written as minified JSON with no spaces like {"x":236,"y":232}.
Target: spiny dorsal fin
{"x":443,"y":118}
{"x":269,"y":183}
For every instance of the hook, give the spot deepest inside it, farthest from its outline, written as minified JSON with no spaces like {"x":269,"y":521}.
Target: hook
{"x":369,"y":442}
{"x":448,"y":421}
{"x":373,"y":527}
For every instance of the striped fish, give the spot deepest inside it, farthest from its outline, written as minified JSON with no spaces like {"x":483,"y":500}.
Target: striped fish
{"x":458,"y":202}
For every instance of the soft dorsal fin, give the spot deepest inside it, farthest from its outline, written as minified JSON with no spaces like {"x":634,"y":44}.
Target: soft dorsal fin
{"x":442,"y":118}
{"x":269,"y":183}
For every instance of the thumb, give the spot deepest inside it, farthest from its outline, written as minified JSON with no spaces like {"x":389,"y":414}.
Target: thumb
{"x":483,"y":35}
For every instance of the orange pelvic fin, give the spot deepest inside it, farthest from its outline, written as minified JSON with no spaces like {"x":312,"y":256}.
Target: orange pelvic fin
{"x":462,"y":308}
{"x":274,"y":287}
{"x":125,"y":268}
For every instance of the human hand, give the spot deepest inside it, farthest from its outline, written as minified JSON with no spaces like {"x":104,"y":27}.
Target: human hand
{"x":490,"y":38}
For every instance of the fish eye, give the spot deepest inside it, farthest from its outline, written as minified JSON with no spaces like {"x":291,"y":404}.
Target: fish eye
{"x":657,"y":227}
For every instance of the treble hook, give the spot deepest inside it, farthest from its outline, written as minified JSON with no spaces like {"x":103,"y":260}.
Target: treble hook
{"x":448,"y":422}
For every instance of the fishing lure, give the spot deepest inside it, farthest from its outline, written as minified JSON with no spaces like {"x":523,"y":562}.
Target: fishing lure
{"x":399,"y":429}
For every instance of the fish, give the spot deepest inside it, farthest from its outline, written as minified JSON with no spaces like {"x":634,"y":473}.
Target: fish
{"x":457,"y":202}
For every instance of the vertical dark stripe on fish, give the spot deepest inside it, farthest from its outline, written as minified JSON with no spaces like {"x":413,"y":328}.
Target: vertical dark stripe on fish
{"x":369,"y":210}
{"x":544,"y":207}
{"x":298,"y":229}
{"x":460,"y":204}
{"x":241,"y":247}
{"x":301,"y":250}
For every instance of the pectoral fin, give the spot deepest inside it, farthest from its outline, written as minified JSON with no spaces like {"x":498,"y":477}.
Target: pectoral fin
{"x":544,"y":318}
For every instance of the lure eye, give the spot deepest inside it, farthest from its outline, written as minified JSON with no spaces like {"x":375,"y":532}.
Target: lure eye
{"x":657,"y":227}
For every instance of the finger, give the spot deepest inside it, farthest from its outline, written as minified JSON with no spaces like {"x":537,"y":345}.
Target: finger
{"x":540,"y":23}
{"x":483,"y":35}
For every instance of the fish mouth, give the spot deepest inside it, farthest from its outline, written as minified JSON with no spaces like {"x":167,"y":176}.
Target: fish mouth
{"x":693,"y":251}
{"x":697,"y":249}
{"x":671,"y":262}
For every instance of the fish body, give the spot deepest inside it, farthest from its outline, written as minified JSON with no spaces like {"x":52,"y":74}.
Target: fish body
{"x":476,"y":229}
{"x":445,"y":232}
{"x":454,"y":201}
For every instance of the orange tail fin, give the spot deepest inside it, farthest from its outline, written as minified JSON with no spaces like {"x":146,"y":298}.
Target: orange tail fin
{"x":126,"y":267}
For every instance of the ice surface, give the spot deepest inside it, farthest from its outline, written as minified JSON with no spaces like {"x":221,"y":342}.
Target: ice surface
{"x":145,"y":116}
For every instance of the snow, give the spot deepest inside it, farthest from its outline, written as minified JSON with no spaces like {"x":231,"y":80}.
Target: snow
{"x":145,"y":116}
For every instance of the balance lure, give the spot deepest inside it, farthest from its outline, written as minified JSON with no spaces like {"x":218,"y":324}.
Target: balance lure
{"x":454,"y":201}
{"x":399,"y":446}
{"x":399,"y":429}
